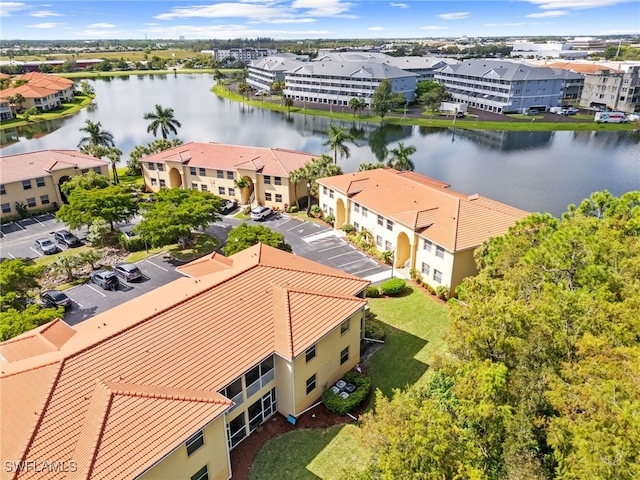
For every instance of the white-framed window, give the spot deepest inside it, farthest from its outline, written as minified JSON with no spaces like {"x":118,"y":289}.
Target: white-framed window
{"x":437,"y":275}
{"x":439,"y":251}
{"x":379,"y":241}
{"x":203,"y":187}
{"x":277,"y":180}
{"x":163,"y":183}
{"x":232,"y":191}
{"x":427,"y":245}
{"x":425,"y":268}
{"x":236,"y":430}
{"x":267,"y":196}
{"x":154,"y":182}
{"x":220,"y":190}
{"x":356,"y":227}
{"x":310,"y":353}
{"x":356,"y":208}
{"x":194,"y":443}
{"x":160,"y":167}
{"x":324,"y":190}
{"x":202,"y":474}
{"x":44,"y":199}
{"x":6,"y":208}
{"x":344,"y":355}
{"x":267,"y":180}
{"x":278,"y":198}
{"x":31,"y":202}
{"x":365,"y":211}
{"x":330,"y":193}
{"x":194,"y":186}
{"x":229,"y":175}
{"x":311,"y":383}
{"x":331,"y":211}
{"x":2,"y":190}
{"x":40,"y":181}
{"x":344,"y":327}
{"x":219,"y":173}
{"x":26,"y":184}
{"x":389,"y":225}
{"x":202,"y":171}
{"x":192,"y":170}
{"x":388,"y":246}
{"x":381,"y":220}
{"x":152,"y":166}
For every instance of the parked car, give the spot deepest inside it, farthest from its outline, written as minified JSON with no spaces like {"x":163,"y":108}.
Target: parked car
{"x":65,"y":237}
{"x":228,"y":206}
{"x":127,"y":271}
{"x":568,"y":111}
{"x":46,"y":246}
{"x":107,"y":279}
{"x":128,"y":233}
{"x":55,"y":298}
{"x":260,"y":213}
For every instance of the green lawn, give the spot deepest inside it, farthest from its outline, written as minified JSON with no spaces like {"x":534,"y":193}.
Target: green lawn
{"x":414,"y":325}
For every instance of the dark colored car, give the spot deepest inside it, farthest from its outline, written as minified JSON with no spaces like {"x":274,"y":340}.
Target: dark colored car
{"x":107,"y":279}
{"x":46,"y":246}
{"x":127,"y":271}
{"x":55,"y":298}
{"x":65,"y":237}
{"x":228,"y":206}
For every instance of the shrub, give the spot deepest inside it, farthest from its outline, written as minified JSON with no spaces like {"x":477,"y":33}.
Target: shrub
{"x":247,"y":210}
{"x":293,"y":209}
{"x":442,"y":292}
{"x":393,"y":287}
{"x":429,"y":288}
{"x":347,"y":228}
{"x":373,"y":329}
{"x":330,"y":219}
{"x":336,"y":404}
{"x":316,"y":211}
{"x":134,"y":244}
{"x":387,"y":256}
{"x":372,"y":291}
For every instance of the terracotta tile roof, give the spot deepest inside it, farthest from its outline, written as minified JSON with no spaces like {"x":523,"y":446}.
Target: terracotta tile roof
{"x":134,"y":379}
{"x":43,"y":339}
{"x":207,"y":264}
{"x":451,"y":219}
{"x":24,"y":166}
{"x":578,"y":67}
{"x":268,"y":161}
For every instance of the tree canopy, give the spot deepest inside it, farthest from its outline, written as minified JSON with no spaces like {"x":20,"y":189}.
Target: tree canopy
{"x":336,"y":141}
{"x":17,"y":280}
{"x":14,"y":322}
{"x":540,"y":379}
{"x":86,"y":181}
{"x":385,"y":99}
{"x":162,"y":119}
{"x":244,"y":236}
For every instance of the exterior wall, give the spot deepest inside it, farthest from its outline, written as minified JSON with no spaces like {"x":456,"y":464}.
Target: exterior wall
{"x":618,"y":91}
{"x":213,"y":454}
{"x":286,"y":378}
{"x":444,"y":264}
{"x":5,"y":111}
{"x":463,"y":267}
{"x":326,"y":364}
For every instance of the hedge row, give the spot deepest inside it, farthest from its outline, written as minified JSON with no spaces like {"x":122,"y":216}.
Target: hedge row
{"x":336,"y":404}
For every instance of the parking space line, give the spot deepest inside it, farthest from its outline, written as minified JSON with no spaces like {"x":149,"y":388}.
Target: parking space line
{"x":11,"y":255}
{"x":351,"y":263}
{"x":97,"y":291}
{"x":330,"y":248}
{"x":366,"y":270}
{"x":36,"y":219}
{"x":277,"y":225}
{"x":35,"y":251}
{"x":301,"y":226}
{"x":157,"y":266}
{"x":18,"y":223}
{"x":339,"y":255}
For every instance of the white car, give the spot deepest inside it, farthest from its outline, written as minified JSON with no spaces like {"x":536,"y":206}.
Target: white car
{"x":260,"y":213}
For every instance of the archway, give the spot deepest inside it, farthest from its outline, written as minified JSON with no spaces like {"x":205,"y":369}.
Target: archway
{"x":340,"y":213}
{"x":175,"y":179}
{"x":62,"y":180}
{"x":403,"y":250}
{"x":247,"y":190}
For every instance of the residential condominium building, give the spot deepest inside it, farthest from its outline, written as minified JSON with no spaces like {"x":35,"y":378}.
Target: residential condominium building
{"x":42,"y":91}
{"x":427,"y":226}
{"x":33,"y":179}
{"x":216,"y":167}
{"x":243,"y":54}
{"x":503,"y":86}
{"x":264,"y":71}
{"x":166,"y":385}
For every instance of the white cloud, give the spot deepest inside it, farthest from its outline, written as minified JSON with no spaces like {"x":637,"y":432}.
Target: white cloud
{"x":45,"y":13}
{"x":227,"y":32}
{"x":576,"y":4}
{"x":433,"y":27}
{"x":101,"y":25}
{"x":399,"y":5}
{"x":454,"y":15}
{"x":322,"y":8}
{"x":7,"y":8}
{"x":288,"y":20}
{"x":551,"y":13}
{"x":45,"y":25}
{"x":519,"y":24}
{"x":376,"y":29}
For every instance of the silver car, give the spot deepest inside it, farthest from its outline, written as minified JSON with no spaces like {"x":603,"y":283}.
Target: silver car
{"x":127,"y":271}
{"x":46,"y":246}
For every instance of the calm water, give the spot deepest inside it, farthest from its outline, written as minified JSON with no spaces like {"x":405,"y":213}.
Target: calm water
{"x":535,"y":171}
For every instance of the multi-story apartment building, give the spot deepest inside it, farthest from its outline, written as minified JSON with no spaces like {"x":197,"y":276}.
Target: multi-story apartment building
{"x":42,"y":91}
{"x":216,"y":168}
{"x":33,"y":179}
{"x":264,"y":71}
{"x":546,"y":50}
{"x":6,"y":112}
{"x":427,"y":226}
{"x":164,"y":386}
{"x":424,"y":67}
{"x":503,"y":86}
{"x":245,"y":54}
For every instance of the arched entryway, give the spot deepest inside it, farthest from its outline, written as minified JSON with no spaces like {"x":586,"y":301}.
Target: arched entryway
{"x":175,"y":179}
{"x":403,"y":250}
{"x":340,"y":213}
{"x":247,"y":190}
{"x":63,"y":197}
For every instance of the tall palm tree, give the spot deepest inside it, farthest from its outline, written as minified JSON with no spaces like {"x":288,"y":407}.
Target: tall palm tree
{"x":320,"y":167}
{"x":356,"y":104}
{"x":400,"y":157}
{"x":96,"y":136}
{"x":295,"y":177}
{"x":99,"y":151}
{"x":162,"y":119}
{"x":337,"y":138}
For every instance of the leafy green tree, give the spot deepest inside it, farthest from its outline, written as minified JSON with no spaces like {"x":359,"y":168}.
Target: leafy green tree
{"x":162,"y":119}
{"x":175,"y":213}
{"x":295,"y":177}
{"x":17,"y":280}
{"x":244,"y":236}
{"x":320,"y":167}
{"x":95,"y":136}
{"x":86,"y":88}
{"x":64,"y":264}
{"x":244,"y":88}
{"x":433,"y":97}
{"x":29,"y":112}
{"x":288,"y":102}
{"x":384,"y":99}
{"x":369,"y":166}
{"x":15,"y":322}
{"x":86,"y":181}
{"x":357,"y":104}
{"x":336,"y":141}
{"x":113,"y":154}
{"x":400,"y":157}
{"x":113,"y":204}
{"x":97,"y":231}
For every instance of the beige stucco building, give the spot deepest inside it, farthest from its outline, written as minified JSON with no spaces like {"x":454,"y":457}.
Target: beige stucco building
{"x":34,"y":178}
{"x":43,"y":91}
{"x":427,"y":226}
{"x":166,"y":385}
{"x":216,"y":167}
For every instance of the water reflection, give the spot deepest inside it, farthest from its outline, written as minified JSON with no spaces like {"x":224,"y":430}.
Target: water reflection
{"x":507,"y":141}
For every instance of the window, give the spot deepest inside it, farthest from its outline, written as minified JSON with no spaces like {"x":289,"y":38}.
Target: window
{"x":202,"y":474}
{"x":311,"y":353}
{"x":154,"y":182}
{"x":379,"y":241}
{"x":344,"y":327}
{"x":44,"y":199}
{"x":330,"y":193}
{"x":344,"y":356}
{"x":356,"y":208}
{"x":267,"y":197}
{"x":203,"y":188}
{"x":152,"y":166}
{"x":267,"y":180}
{"x":236,"y":431}
{"x":427,"y":245}
{"x":26,"y":184}
{"x":97,"y":170}
{"x":425,"y":268}
{"x":389,"y":225}
{"x":440,"y":252}
{"x":163,"y":183}
{"x":277,"y":180}
{"x":219,"y":174}
{"x":220,"y":190}
{"x":380,"y":220}
{"x":324,"y":190}
{"x":311,"y":383}
{"x":388,"y":246}
{"x":2,"y":190}
{"x":160,"y":167}
{"x":192,"y":170}
{"x":31,"y":202}
{"x":6,"y":208}
{"x":437,"y":275}
{"x":40,"y":181}
{"x":229,"y":175}
{"x":365,"y":211}
{"x":232,"y":192}
{"x":194,"y":443}
{"x":356,"y":227}
{"x":278,"y":198}
{"x":202,"y":172}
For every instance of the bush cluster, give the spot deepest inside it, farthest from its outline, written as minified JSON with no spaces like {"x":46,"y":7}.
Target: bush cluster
{"x":342,"y":406}
{"x":373,"y":329}
{"x":135,"y":244}
{"x":393,"y":287}
{"x":372,"y":291}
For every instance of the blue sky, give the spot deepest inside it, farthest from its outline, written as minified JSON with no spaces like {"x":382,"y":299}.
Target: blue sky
{"x":300,"y":19}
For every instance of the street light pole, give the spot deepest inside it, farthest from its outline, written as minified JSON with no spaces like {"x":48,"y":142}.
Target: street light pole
{"x":308,"y":197}
{"x":393,"y":260}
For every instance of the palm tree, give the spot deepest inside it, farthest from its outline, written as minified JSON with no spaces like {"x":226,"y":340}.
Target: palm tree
{"x":242,"y":184}
{"x":295,"y":177}
{"x":162,"y":119}
{"x":243,"y":88}
{"x":288,"y":102}
{"x":400,"y":157}
{"x":99,"y":151}
{"x":320,"y":167}
{"x":96,"y":136}
{"x":19,"y":99}
{"x":356,"y":104}
{"x":337,"y":137}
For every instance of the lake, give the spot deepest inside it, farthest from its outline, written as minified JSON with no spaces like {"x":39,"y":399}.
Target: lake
{"x":535,"y":171}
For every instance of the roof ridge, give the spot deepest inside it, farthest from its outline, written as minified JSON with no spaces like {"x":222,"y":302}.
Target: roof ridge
{"x":345,"y":276}
{"x":456,"y":224}
{"x":321,"y":293}
{"x":165,"y":393}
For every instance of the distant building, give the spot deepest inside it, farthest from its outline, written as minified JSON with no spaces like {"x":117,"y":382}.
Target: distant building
{"x":243,"y":54}
{"x":43,"y":91}
{"x":34,"y":65}
{"x":546,"y":50}
{"x":264,"y":71}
